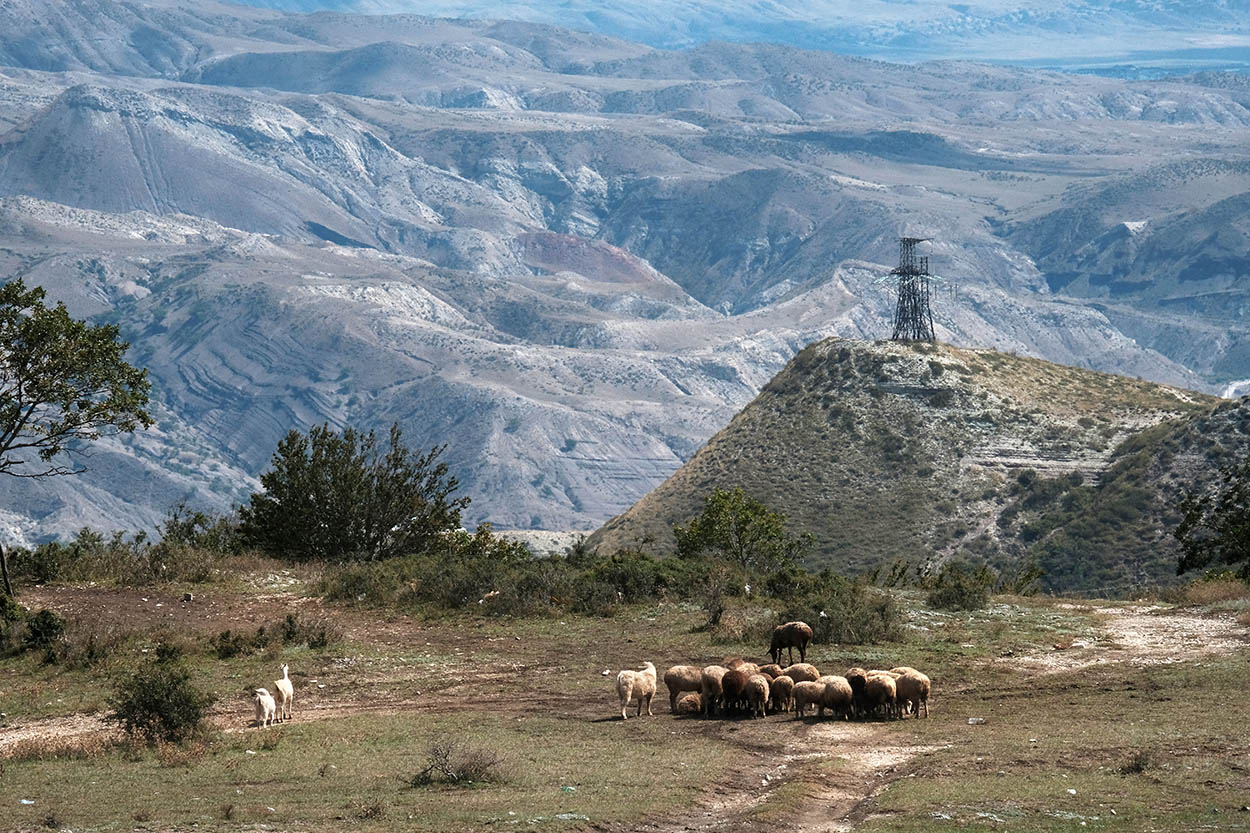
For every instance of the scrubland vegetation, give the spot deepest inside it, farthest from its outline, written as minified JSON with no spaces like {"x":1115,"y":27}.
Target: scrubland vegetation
{"x":468,"y":684}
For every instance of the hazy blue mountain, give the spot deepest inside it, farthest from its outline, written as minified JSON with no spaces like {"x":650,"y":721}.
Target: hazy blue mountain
{"x":570,"y":257}
{"x":1132,"y":35}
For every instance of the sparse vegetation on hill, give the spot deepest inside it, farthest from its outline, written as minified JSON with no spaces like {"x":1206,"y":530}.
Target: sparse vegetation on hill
{"x":917,"y":452}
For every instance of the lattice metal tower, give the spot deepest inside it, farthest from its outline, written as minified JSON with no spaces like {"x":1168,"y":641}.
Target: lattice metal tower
{"x":913,"y":320}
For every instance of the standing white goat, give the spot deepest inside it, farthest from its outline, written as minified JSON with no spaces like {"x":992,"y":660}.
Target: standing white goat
{"x":636,"y":685}
{"x":266,"y":708}
{"x":286,"y":694}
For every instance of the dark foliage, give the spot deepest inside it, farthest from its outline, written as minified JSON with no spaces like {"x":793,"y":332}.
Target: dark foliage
{"x":159,"y":702}
{"x":1215,"y":524}
{"x":961,"y":586}
{"x":351,"y":497}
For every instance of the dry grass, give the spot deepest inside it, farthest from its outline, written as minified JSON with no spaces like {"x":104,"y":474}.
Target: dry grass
{"x":75,"y":748}
{"x":1214,"y":591}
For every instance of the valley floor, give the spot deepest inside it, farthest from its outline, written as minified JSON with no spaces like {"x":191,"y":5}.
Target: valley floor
{"x":1096,"y":716}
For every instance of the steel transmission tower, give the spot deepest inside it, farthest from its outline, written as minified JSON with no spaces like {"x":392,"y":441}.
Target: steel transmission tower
{"x":913,"y":320}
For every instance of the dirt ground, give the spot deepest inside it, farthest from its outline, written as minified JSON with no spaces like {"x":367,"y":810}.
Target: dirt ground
{"x":841,"y":766}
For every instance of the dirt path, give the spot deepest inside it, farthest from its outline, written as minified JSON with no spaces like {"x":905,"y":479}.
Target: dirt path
{"x":1138,"y":635}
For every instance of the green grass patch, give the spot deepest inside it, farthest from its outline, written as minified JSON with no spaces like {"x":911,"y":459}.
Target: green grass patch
{"x":325,"y":776}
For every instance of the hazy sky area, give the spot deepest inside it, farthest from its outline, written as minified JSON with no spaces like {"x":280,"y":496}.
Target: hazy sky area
{"x":1152,"y":36}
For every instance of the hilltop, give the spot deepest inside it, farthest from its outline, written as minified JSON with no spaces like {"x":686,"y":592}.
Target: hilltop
{"x":887,"y":451}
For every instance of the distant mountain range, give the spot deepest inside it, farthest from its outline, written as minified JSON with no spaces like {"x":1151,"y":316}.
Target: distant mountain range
{"x":571,"y":258}
{"x":1126,"y":37}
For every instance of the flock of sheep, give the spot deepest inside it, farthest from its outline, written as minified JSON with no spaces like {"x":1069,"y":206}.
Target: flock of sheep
{"x":270,"y":710}
{"x":737,"y":687}
{"x":741,"y":687}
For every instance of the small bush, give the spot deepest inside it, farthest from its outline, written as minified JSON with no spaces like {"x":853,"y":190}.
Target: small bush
{"x":158,"y":702}
{"x":452,"y":762}
{"x":44,"y":632}
{"x":1136,"y":765}
{"x":844,"y":611}
{"x":91,"y":556}
{"x":183,"y":755}
{"x":1219,"y":587}
{"x":12,"y":621}
{"x":317,"y":632}
{"x":961,"y":586}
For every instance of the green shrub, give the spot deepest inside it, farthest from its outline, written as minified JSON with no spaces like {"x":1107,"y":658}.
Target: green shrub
{"x":961,"y":586}
{"x":91,"y":556}
{"x":158,"y":702}
{"x":44,"y":631}
{"x":848,"y":612}
{"x":316,"y":632}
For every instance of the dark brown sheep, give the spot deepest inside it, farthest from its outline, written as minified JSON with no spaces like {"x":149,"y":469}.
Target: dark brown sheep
{"x":857,"y":677}
{"x":734,"y":689}
{"x":772,"y":671}
{"x":791,"y":635}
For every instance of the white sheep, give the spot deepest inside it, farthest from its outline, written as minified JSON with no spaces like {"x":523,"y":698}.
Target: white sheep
{"x":781,"y":689}
{"x":807,"y":693}
{"x":912,"y":692}
{"x":757,"y":692}
{"x":636,"y":685}
{"x":285,"y":694}
{"x":266,"y":708}
{"x":712,"y":690}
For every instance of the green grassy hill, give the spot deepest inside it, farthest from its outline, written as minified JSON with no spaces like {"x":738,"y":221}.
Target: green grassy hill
{"x":888,"y":450}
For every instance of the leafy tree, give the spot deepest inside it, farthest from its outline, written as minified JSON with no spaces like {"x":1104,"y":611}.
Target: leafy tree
{"x":63,"y":383}
{"x":740,"y":529}
{"x":1215,"y":523}
{"x":346,"y":497}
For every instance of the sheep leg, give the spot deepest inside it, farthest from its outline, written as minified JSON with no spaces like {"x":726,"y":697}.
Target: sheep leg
{"x":648,"y":706}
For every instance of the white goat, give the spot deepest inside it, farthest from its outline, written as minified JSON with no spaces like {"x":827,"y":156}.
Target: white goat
{"x":286,"y":695}
{"x":266,"y":708}
{"x":636,"y":685}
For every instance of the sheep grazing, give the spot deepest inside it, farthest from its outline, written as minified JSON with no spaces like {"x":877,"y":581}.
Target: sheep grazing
{"x":802,"y":672}
{"x":838,"y":697}
{"x":772,"y":671}
{"x":904,"y":669}
{"x":807,"y":693}
{"x":857,"y":677}
{"x":285,"y":694}
{"x":757,"y":691}
{"x":691,"y":702}
{"x":912,"y":691}
{"x":880,"y":692}
{"x":636,"y":685}
{"x":266,"y":708}
{"x":789,"y":636}
{"x":734,"y":689}
{"x":740,"y":664}
{"x":711,"y":689}
{"x":782,"y":690}
{"x":682,"y":678}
